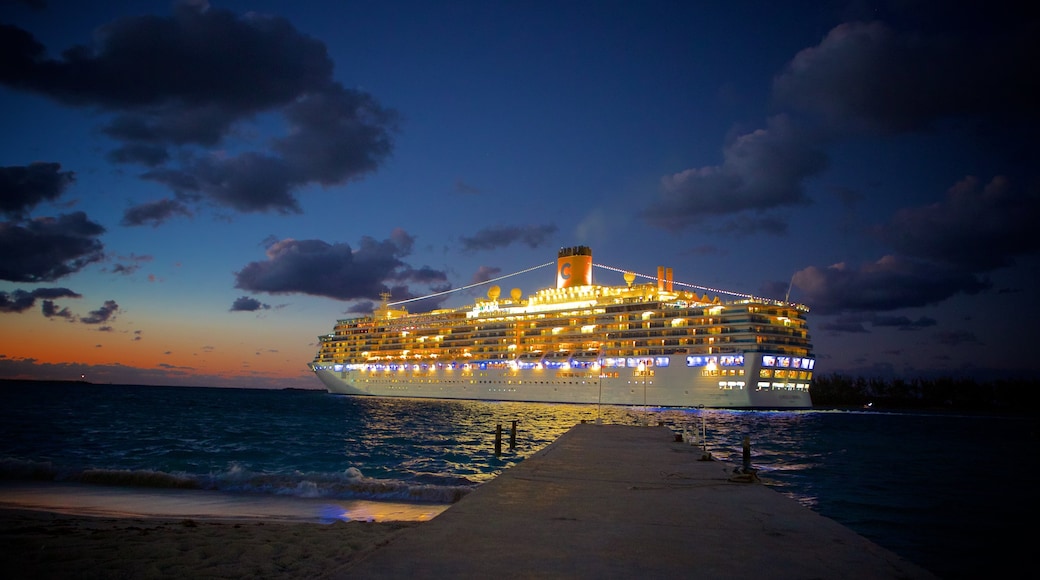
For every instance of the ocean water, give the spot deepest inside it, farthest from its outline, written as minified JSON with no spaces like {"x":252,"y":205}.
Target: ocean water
{"x":949,"y":492}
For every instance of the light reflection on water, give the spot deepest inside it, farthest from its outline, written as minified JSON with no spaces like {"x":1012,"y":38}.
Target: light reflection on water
{"x":929,"y":486}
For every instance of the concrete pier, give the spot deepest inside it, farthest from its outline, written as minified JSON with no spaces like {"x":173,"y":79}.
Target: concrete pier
{"x":613,"y":501}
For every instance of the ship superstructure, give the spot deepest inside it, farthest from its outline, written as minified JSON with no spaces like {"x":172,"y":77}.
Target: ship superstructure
{"x":578,"y":342}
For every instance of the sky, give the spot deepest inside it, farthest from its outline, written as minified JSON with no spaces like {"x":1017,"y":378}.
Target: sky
{"x":192,"y":192}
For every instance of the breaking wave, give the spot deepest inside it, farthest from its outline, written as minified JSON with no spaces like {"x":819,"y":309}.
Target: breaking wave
{"x":348,"y":484}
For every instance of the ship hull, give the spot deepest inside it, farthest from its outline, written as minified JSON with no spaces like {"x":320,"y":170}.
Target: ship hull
{"x":671,"y":383}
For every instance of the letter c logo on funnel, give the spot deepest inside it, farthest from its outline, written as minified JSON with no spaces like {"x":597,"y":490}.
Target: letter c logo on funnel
{"x":565,"y":271}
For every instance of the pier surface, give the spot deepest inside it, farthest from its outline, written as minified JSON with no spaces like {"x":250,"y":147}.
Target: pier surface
{"x":613,"y":501}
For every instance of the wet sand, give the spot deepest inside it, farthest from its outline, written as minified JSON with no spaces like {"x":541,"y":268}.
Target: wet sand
{"x":58,"y":530}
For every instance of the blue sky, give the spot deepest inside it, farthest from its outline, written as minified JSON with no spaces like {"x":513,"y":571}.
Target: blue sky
{"x":192,"y":192}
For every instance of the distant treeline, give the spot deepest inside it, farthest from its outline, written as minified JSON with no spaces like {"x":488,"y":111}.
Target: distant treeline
{"x":1017,"y":396}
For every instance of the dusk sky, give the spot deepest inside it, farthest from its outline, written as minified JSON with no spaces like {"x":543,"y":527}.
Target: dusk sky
{"x":192,"y":192}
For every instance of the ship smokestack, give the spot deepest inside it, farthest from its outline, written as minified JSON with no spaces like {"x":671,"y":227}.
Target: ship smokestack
{"x":668,"y":279}
{"x":574,"y":267}
{"x":660,"y":278}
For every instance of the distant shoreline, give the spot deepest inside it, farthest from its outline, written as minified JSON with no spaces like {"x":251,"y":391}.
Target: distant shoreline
{"x":85,"y":383}
{"x":1003,"y":396}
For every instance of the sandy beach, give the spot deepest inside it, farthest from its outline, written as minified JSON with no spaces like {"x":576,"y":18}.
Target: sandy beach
{"x":43,"y":544}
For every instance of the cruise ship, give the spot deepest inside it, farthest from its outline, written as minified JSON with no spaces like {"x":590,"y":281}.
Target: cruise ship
{"x":656,"y":343}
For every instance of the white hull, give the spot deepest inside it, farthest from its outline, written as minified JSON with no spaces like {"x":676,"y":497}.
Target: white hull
{"x":670,"y":383}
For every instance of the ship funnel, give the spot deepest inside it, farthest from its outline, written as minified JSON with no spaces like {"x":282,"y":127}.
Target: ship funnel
{"x":574,"y":267}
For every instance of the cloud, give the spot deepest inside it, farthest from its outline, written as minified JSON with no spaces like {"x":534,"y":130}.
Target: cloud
{"x":154,"y":212}
{"x":220,"y":70}
{"x":247,"y":304}
{"x":940,"y":250}
{"x":21,"y":300}
{"x":903,"y":322}
{"x":217,"y":67}
{"x":502,"y":236}
{"x":867,"y":78}
{"x":338,"y":271}
{"x":485,"y":273}
{"x":107,"y":312}
{"x":134,"y":264}
{"x":250,"y":182}
{"x":149,"y":155}
{"x":889,"y":283}
{"x":51,"y":310}
{"x":23,"y":187}
{"x":463,"y":188}
{"x":977,"y":227}
{"x":761,"y":170}
{"x":876,"y":78}
{"x":45,"y":249}
{"x":335,"y":135}
{"x":956,"y":338}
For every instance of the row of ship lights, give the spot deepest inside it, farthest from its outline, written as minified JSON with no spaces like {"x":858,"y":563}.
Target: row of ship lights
{"x":639,"y":363}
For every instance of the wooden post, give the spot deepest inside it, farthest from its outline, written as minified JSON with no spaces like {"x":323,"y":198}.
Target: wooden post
{"x":512,"y":437}
{"x":498,"y":440}
{"x":747,"y":454}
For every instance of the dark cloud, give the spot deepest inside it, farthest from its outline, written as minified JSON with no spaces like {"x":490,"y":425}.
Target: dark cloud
{"x":500,"y":237}
{"x":251,"y":182}
{"x":23,"y":187}
{"x":212,"y":62}
{"x":857,"y":322}
{"x":51,"y":310}
{"x":218,"y":70}
{"x":335,"y":135}
{"x":485,"y":273}
{"x":336,"y":270}
{"x":45,"y":249}
{"x":878,"y":78}
{"x":106,"y":313}
{"x":910,"y":75}
{"x":890,"y":283}
{"x":903,"y":322}
{"x":940,"y":250}
{"x":977,"y":227}
{"x":955,"y":338}
{"x":21,"y":300}
{"x":133,"y":264}
{"x":362,"y":307}
{"x":465,"y":189}
{"x":761,"y":170}
{"x":843,"y":325}
{"x":154,"y":212}
{"x":150,"y":155}
{"x":247,"y":304}
{"x":36,"y":5}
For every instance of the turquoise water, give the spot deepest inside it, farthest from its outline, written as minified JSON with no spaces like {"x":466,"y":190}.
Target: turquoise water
{"x":944,"y":491}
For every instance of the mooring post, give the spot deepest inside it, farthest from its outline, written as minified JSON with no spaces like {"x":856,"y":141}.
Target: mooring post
{"x":512,"y":437}
{"x":747,"y":453}
{"x":498,"y":440}
{"x":704,"y":431}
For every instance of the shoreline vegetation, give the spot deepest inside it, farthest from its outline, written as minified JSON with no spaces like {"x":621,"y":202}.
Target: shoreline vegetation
{"x":1011,"y":396}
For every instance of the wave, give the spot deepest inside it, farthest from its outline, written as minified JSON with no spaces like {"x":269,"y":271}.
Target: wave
{"x":348,"y":484}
